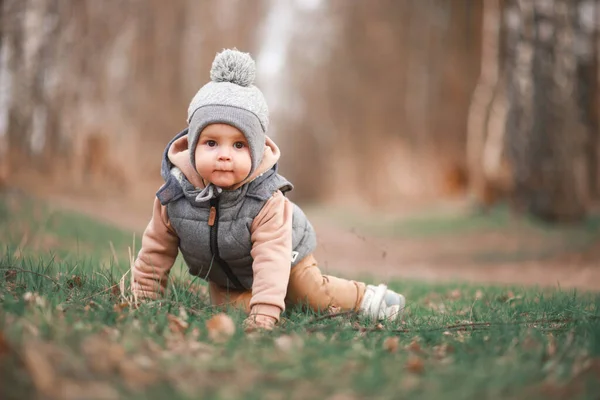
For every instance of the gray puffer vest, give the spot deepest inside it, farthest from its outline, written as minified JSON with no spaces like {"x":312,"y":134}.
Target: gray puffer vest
{"x":220,"y":252}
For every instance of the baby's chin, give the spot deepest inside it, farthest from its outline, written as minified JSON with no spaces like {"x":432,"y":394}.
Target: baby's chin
{"x":225,"y":183}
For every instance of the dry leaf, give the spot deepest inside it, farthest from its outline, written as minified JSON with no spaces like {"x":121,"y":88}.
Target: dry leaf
{"x":177,"y":325}
{"x":390,"y":344}
{"x":74,"y":281}
{"x":40,"y":366}
{"x":287,"y":343}
{"x":414,"y":346}
{"x":455,"y":294}
{"x":120,"y":306}
{"x":220,"y":327}
{"x":415,"y":365}
{"x":478,"y":295}
{"x":101,"y":354}
{"x":10,"y":275}
{"x":115,"y":291}
{"x":136,"y":374}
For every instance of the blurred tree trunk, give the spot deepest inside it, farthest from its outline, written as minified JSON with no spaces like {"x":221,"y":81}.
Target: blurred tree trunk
{"x":3,"y":100}
{"x":587,"y":25}
{"x":545,"y":137}
{"x":487,"y":114}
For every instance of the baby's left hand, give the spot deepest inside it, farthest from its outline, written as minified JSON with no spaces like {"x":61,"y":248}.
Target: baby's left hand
{"x":256,"y":322}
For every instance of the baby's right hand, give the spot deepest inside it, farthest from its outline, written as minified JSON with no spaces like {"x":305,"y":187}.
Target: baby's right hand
{"x":256,"y":322}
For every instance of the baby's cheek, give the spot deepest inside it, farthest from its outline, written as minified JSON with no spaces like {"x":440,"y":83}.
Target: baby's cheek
{"x":247,"y":162}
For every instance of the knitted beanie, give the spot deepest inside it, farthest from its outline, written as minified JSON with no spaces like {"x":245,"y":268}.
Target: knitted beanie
{"x":231,"y":98}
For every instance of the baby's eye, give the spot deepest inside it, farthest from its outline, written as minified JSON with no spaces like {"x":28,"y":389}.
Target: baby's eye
{"x":239,"y":145}
{"x":211,"y":143}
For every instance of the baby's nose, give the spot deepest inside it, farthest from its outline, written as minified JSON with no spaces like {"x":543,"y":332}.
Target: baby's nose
{"x":224,"y":153}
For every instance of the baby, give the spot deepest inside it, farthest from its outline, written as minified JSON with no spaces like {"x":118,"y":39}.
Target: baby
{"x":224,"y":206}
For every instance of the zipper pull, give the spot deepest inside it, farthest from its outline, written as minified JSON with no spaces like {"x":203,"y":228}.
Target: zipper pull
{"x":211,"y":216}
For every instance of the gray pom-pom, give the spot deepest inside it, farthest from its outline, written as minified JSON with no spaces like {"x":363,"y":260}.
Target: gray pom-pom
{"x":233,"y":66}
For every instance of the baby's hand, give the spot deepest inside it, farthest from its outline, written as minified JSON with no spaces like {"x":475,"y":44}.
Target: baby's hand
{"x":256,"y":322}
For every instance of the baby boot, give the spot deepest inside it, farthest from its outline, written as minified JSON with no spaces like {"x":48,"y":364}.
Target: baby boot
{"x":379,"y":303}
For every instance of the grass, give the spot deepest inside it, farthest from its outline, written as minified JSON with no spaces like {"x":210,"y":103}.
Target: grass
{"x":65,"y":332}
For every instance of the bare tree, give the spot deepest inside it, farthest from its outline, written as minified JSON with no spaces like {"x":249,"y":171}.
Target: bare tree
{"x":487,"y":115}
{"x":545,"y":136}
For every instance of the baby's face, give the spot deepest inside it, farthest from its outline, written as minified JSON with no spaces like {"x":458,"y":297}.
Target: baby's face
{"x":222,"y":155}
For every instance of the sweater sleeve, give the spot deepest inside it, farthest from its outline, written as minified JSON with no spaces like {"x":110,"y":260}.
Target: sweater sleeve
{"x":160,"y":246}
{"x":271,"y":233}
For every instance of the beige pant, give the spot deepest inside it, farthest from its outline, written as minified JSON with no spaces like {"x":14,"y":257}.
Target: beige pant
{"x":307,"y":287}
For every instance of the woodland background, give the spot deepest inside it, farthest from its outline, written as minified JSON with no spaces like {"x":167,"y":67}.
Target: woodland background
{"x":375,"y":104}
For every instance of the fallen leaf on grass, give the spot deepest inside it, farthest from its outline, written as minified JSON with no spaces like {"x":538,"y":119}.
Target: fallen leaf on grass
{"x":478,"y":295}
{"x":390,"y":344}
{"x":415,"y":365}
{"x":74,"y":281}
{"x":220,"y":327}
{"x":89,"y":306}
{"x":138,"y":375}
{"x":288,"y":343}
{"x":455,"y":294}
{"x":102,"y":355}
{"x":37,"y":359}
{"x":177,"y":325}
{"x":10,"y":275}
{"x":119,"y":307}
{"x":115,"y":291}
{"x":414,"y":346}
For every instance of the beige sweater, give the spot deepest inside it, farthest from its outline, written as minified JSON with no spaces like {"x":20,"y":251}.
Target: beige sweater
{"x":271,"y":235}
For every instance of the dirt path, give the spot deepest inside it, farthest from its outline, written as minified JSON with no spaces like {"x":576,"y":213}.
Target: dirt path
{"x":441,"y":259}
{"x":451,"y":260}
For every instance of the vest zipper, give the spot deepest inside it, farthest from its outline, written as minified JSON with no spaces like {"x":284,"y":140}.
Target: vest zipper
{"x":213,"y":222}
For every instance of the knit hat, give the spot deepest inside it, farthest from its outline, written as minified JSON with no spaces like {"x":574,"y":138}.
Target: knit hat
{"x":231,"y":98}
